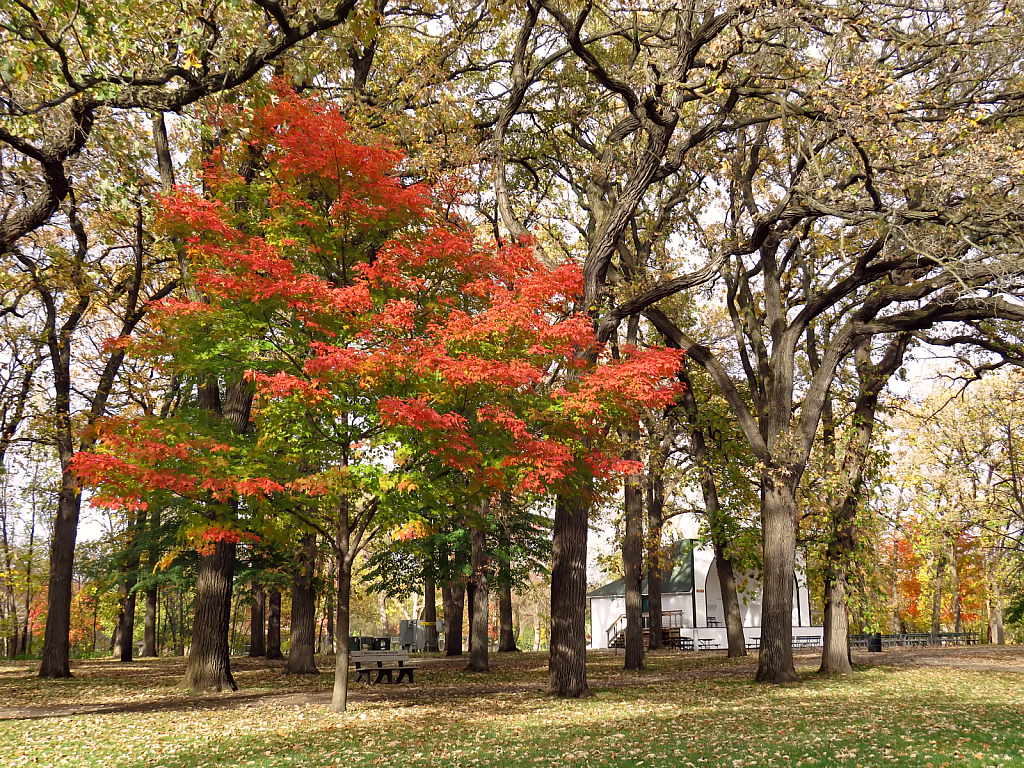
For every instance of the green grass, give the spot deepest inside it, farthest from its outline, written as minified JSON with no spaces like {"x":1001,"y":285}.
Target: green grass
{"x":684,"y":710}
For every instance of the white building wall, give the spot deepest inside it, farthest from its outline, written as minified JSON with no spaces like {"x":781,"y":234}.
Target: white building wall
{"x":605,"y":610}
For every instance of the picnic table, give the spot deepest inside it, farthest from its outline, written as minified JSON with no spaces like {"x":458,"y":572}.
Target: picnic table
{"x":382,"y":664}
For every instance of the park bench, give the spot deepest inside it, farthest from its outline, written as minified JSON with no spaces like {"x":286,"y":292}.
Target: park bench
{"x":707,"y":644}
{"x":381,"y":664}
{"x":754,"y":644}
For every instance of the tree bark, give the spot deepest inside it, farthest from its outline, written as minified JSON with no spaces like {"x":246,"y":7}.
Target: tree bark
{"x":730,"y":603}
{"x":567,"y":665}
{"x":940,"y":567}
{"x":632,"y":566}
{"x":274,"y":625}
{"x":507,"y":635}
{"x":382,"y":606}
{"x":479,"y":616}
{"x":835,"y":652}
{"x":257,"y":624}
{"x":209,"y":661}
{"x":149,"y":631}
{"x":430,"y":613}
{"x":56,"y":638}
{"x":655,"y":557}
{"x":301,"y":659}
{"x":339,"y":696}
{"x":453,"y":638}
{"x":778,"y":515}
{"x":128,"y":623}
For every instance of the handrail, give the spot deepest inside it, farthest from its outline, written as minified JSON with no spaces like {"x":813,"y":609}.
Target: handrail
{"x":674,"y":620}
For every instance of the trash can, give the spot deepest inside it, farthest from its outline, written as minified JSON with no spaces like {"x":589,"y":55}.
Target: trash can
{"x":366,"y":643}
{"x":382,"y":643}
{"x":875,"y":642}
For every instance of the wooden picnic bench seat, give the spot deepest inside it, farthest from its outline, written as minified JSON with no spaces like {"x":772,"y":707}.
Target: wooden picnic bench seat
{"x":382,"y":664}
{"x":707,"y":644}
{"x":754,"y":644}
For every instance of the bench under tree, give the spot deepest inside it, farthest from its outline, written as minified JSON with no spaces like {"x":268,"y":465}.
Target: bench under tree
{"x":381,"y":664}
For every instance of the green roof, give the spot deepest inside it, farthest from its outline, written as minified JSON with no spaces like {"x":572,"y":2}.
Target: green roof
{"x":676,"y":578}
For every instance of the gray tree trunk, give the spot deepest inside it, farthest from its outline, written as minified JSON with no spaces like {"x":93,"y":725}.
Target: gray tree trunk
{"x":302,"y":647}
{"x":567,"y":661}
{"x":778,"y":515}
{"x":209,"y":661}
{"x":257,"y":624}
{"x":479,"y":617}
{"x":274,"y":625}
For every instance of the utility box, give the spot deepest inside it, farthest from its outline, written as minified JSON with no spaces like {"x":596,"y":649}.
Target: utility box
{"x":411,"y":636}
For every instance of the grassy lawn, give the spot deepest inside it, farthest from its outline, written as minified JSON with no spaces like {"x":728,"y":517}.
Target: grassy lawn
{"x":684,"y":710}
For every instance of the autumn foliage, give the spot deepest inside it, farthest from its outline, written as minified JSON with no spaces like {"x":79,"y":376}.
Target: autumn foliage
{"x":352,"y":305}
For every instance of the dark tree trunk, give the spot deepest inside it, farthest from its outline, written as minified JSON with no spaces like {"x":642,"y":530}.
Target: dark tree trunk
{"x":632,"y":566}
{"x":149,"y":631}
{"x":274,"y":625}
{"x":257,"y":624}
{"x":730,"y":604}
{"x":655,"y":564}
{"x":430,"y":614}
{"x":567,"y":665}
{"x":209,"y":661}
{"x":453,"y":638}
{"x":778,"y":516}
{"x":56,"y":640}
{"x":507,"y":635}
{"x":128,"y":623}
{"x":303,"y":637}
{"x":479,"y":616}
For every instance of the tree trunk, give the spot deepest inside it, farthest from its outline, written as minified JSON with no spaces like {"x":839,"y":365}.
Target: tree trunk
{"x":303,"y":637}
{"x":940,"y":568}
{"x":209,"y":661}
{"x":778,"y":516}
{"x":655,"y":557}
{"x":567,"y":664}
{"x":274,"y":625}
{"x":116,"y":640}
{"x":507,"y":635}
{"x":536,"y":626}
{"x":128,"y":623}
{"x":958,"y":623}
{"x":153,"y":593}
{"x":257,"y":624}
{"x":149,"y":631}
{"x":730,"y":604}
{"x":329,"y":645}
{"x":453,"y":640}
{"x":470,"y":606}
{"x":632,"y":566}
{"x":430,"y":614}
{"x":382,"y":606}
{"x":339,"y":697}
{"x":479,"y":617}
{"x":835,"y":652}
{"x":56,"y":640}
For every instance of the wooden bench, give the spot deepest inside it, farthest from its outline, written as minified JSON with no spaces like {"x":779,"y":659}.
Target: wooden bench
{"x":383,"y":664}
{"x":754,"y":644}
{"x":707,"y":644}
